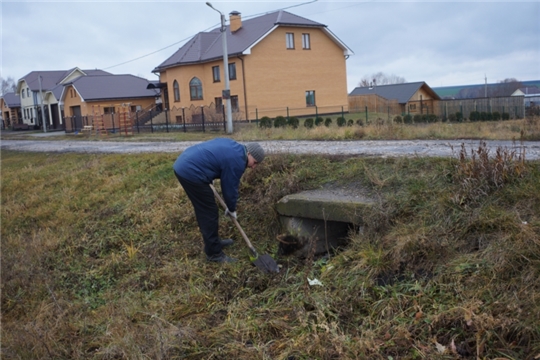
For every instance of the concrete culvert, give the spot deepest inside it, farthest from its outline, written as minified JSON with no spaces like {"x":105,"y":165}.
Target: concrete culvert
{"x":316,"y":222}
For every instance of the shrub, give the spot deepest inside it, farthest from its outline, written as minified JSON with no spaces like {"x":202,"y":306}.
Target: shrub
{"x":452,"y":117}
{"x":483,"y":116}
{"x":319,"y":121}
{"x":417,"y":118}
{"x":505,"y":116}
{"x":359,"y":122}
{"x":398,"y":119}
{"x":341,"y":121}
{"x":265,"y":122}
{"x":350,"y":122}
{"x":459,"y":116}
{"x":496,"y":115}
{"x":474,"y":116}
{"x":407,"y":119}
{"x":280,"y":121}
{"x":308,"y":123}
{"x":432,"y":118}
{"x":328,"y":122}
{"x":293,"y":122}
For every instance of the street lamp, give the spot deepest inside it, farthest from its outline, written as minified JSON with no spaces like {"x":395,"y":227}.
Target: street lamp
{"x":227,"y":92}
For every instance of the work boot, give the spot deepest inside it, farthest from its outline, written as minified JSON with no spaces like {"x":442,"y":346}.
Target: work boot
{"x":220,"y":258}
{"x":226,"y":242}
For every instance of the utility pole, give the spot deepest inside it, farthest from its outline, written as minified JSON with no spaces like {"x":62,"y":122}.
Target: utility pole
{"x":485,"y":86}
{"x":226,"y":92}
{"x":42,"y":110}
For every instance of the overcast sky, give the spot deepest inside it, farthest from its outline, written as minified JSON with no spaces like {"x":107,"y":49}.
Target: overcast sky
{"x":441,"y":43}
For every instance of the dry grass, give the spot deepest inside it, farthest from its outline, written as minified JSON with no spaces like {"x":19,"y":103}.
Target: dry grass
{"x":102,"y":259}
{"x":523,"y":129}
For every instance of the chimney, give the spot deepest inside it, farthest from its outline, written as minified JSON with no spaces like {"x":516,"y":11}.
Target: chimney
{"x":235,"y":20}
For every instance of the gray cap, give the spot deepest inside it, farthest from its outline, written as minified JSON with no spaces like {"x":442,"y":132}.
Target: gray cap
{"x":256,"y":151}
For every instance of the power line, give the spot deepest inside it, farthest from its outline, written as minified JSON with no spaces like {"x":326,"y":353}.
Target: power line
{"x":211,"y":27}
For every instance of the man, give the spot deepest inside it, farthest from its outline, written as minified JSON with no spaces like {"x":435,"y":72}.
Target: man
{"x":197,"y":167}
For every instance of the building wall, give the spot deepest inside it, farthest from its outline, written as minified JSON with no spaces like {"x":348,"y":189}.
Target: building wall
{"x":28,"y":108}
{"x":275,"y":77}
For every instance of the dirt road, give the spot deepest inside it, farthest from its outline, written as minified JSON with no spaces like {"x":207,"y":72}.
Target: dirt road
{"x":382,"y":148}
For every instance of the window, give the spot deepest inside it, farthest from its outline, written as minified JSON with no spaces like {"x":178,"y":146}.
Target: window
{"x":232,"y":71}
{"x":176,"y":91}
{"x":306,"y":44}
{"x":234,"y":103}
{"x":290,"y":40}
{"x":195,"y":89}
{"x":22,"y":93}
{"x":219,"y":105}
{"x":28,"y":92}
{"x":215,"y":73}
{"x":310,"y":98}
{"x":108,"y":110}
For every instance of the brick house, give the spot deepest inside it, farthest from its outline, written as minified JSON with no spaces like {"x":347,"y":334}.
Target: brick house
{"x":105,"y":95}
{"x":10,"y":105}
{"x":277,"y":60}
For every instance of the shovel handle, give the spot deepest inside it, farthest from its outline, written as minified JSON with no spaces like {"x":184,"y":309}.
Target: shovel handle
{"x":246,"y":239}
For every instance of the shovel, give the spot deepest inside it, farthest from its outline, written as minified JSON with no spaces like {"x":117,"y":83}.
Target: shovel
{"x":263,"y":262}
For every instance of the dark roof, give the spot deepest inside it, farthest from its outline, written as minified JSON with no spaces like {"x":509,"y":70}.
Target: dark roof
{"x":401,"y":92}
{"x":101,"y":87}
{"x":51,"y":78}
{"x":12,"y":100}
{"x":207,"y":46}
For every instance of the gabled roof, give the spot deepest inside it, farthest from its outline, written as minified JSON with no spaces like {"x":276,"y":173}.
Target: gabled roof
{"x":207,"y":46}
{"x":12,"y":100}
{"x":527,"y":91}
{"x":52,"y":78}
{"x":402,"y":92}
{"x":105,"y":87}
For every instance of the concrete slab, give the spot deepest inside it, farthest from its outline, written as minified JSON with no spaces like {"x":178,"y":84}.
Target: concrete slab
{"x":331,"y":203}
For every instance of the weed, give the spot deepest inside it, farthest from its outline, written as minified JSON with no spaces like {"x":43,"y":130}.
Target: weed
{"x":480,"y":174}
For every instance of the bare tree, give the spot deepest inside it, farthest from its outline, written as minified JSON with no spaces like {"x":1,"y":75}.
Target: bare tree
{"x":381,"y":78}
{"x":506,"y":87}
{"x":8,"y":85}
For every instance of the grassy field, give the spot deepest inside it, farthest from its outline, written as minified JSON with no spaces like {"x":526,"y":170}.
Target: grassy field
{"x":102,"y":259}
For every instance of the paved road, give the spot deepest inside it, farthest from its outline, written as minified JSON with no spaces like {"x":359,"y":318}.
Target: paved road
{"x":383,"y":148}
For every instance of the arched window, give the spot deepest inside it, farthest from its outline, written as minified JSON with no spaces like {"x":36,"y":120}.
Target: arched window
{"x":176,"y":91}
{"x":195,"y":89}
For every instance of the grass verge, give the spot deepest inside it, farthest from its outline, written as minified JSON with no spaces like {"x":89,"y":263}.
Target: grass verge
{"x":102,"y":259}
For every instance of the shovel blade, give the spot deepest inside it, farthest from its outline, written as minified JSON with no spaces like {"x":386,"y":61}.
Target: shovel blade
{"x":266,"y":264}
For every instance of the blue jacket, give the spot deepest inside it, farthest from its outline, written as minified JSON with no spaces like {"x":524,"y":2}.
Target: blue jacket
{"x":220,"y":158}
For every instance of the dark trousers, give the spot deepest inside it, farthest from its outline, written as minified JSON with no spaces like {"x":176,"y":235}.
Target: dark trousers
{"x":206,"y":212}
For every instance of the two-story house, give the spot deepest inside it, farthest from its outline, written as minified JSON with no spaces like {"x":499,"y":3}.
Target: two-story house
{"x":276,"y":61}
{"x":39,"y":88}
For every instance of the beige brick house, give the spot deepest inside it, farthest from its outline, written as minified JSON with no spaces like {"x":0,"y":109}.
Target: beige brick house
{"x":107,"y":96}
{"x":277,"y":61}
